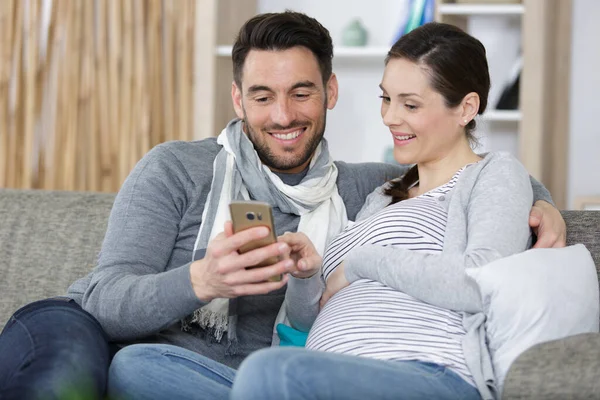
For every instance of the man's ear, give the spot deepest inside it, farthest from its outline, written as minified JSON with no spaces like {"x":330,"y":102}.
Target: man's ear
{"x":332,"y":91}
{"x":469,"y":108}
{"x":236,"y":98}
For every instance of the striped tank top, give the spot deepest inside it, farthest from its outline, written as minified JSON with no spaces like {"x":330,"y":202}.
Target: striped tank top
{"x":369,"y":319}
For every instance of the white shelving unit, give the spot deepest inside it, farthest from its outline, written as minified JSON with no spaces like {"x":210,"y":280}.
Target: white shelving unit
{"x":539,"y":29}
{"x":503,"y":115}
{"x":361,"y":52}
{"x":480,"y":9}
{"x":539,"y":32}
{"x":499,"y":28}
{"x":224,"y":51}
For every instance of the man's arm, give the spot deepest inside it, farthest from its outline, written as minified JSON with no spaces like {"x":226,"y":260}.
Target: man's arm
{"x":540,"y":193}
{"x":131,"y":293}
{"x":545,"y":219}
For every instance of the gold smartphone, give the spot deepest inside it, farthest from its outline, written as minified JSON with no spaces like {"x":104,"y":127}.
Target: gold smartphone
{"x":250,"y":214}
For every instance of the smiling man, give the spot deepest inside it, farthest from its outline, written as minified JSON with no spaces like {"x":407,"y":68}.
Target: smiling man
{"x":168,"y":274}
{"x":282,"y":97}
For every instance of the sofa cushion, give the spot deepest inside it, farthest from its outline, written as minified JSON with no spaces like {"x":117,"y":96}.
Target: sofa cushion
{"x":584,"y":227}
{"x":536,"y":296}
{"x":560,"y":369}
{"x":48,"y":239}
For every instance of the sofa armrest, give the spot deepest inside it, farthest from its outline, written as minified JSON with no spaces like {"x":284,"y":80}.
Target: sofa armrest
{"x":561,"y":369}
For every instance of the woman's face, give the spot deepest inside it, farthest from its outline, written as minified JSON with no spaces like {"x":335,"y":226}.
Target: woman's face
{"x":424,"y":130}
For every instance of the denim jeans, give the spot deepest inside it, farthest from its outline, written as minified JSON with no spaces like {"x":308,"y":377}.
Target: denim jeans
{"x":53,"y":349}
{"x":163,"y":371}
{"x":160,"y":371}
{"x":294,"y":373}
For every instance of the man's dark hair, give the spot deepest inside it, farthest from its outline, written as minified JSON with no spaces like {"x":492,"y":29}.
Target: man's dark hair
{"x":282,"y":31}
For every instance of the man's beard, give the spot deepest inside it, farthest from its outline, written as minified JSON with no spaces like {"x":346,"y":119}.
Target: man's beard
{"x":283,"y":163}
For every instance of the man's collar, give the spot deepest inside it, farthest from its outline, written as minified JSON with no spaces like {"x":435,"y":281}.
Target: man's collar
{"x":292,"y":179}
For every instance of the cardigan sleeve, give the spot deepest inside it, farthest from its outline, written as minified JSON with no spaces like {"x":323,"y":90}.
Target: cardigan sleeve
{"x":495,"y":225}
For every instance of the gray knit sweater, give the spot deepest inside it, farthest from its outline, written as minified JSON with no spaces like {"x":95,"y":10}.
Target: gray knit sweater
{"x":488,"y":212}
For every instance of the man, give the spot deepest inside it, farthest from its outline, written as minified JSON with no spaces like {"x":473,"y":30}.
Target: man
{"x":147,"y":288}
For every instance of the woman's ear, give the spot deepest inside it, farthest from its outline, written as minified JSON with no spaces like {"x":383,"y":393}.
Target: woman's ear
{"x":469,"y":108}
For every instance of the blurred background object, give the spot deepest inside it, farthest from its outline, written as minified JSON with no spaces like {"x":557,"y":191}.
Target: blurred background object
{"x":88,"y":87}
{"x":355,"y":34}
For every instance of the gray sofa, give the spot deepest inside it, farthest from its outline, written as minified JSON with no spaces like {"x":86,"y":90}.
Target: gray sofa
{"x":49,"y":239}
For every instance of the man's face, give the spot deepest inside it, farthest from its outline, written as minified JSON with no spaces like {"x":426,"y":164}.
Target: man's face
{"x":283,"y":103}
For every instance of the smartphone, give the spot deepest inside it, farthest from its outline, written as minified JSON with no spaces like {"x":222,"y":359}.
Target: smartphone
{"x":250,"y":214}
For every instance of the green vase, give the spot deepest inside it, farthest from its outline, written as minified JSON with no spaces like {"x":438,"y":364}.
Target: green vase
{"x":355,"y":34}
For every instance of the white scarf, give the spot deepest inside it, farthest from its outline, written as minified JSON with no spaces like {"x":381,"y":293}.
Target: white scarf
{"x":238,"y":173}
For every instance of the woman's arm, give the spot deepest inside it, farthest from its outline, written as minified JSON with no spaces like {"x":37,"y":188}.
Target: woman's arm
{"x":497,"y":226}
{"x":545,"y":220}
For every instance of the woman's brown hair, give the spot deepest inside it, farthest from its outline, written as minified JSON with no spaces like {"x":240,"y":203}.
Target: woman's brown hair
{"x":457,"y":66}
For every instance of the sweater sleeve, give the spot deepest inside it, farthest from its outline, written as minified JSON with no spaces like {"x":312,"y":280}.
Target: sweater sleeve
{"x":131,"y":293}
{"x":496,"y":226}
{"x":302,"y":301}
{"x":540,"y":192}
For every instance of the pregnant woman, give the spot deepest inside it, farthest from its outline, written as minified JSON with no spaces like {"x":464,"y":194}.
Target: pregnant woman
{"x":394,"y":322}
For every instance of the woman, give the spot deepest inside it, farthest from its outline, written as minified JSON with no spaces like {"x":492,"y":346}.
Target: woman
{"x":396,"y":318}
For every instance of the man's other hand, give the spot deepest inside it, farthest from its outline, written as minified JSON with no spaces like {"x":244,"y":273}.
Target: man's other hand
{"x":548,"y":225}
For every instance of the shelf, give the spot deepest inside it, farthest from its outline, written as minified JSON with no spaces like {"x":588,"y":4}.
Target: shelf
{"x":481,"y":9}
{"x":502,"y":115}
{"x":339,"y":52}
{"x":360,"y":52}
{"x":224,"y":51}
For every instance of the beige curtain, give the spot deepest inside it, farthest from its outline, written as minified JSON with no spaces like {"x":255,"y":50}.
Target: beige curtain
{"x":87,"y":87}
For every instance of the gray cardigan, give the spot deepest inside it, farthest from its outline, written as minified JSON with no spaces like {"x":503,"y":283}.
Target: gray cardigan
{"x":488,"y":211}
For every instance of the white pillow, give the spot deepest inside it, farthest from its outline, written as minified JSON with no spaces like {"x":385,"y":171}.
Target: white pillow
{"x":536,"y":296}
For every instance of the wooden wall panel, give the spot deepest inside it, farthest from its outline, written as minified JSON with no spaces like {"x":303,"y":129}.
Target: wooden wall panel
{"x":88,"y":87}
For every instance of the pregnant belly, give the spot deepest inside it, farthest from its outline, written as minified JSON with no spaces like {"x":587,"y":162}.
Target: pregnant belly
{"x":370,"y":319}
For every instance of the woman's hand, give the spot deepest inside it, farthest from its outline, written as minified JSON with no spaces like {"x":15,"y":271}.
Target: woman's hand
{"x":336,"y":282}
{"x":306,"y":258}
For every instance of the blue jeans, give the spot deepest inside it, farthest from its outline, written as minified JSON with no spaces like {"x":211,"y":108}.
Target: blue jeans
{"x":163,"y":371}
{"x":53,"y":349}
{"x":299,"y":374}
{"x":160,"y":371}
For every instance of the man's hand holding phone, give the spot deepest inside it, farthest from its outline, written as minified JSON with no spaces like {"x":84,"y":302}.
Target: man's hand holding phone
{"x":224,"y":272}
{"x":249,"y":213}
